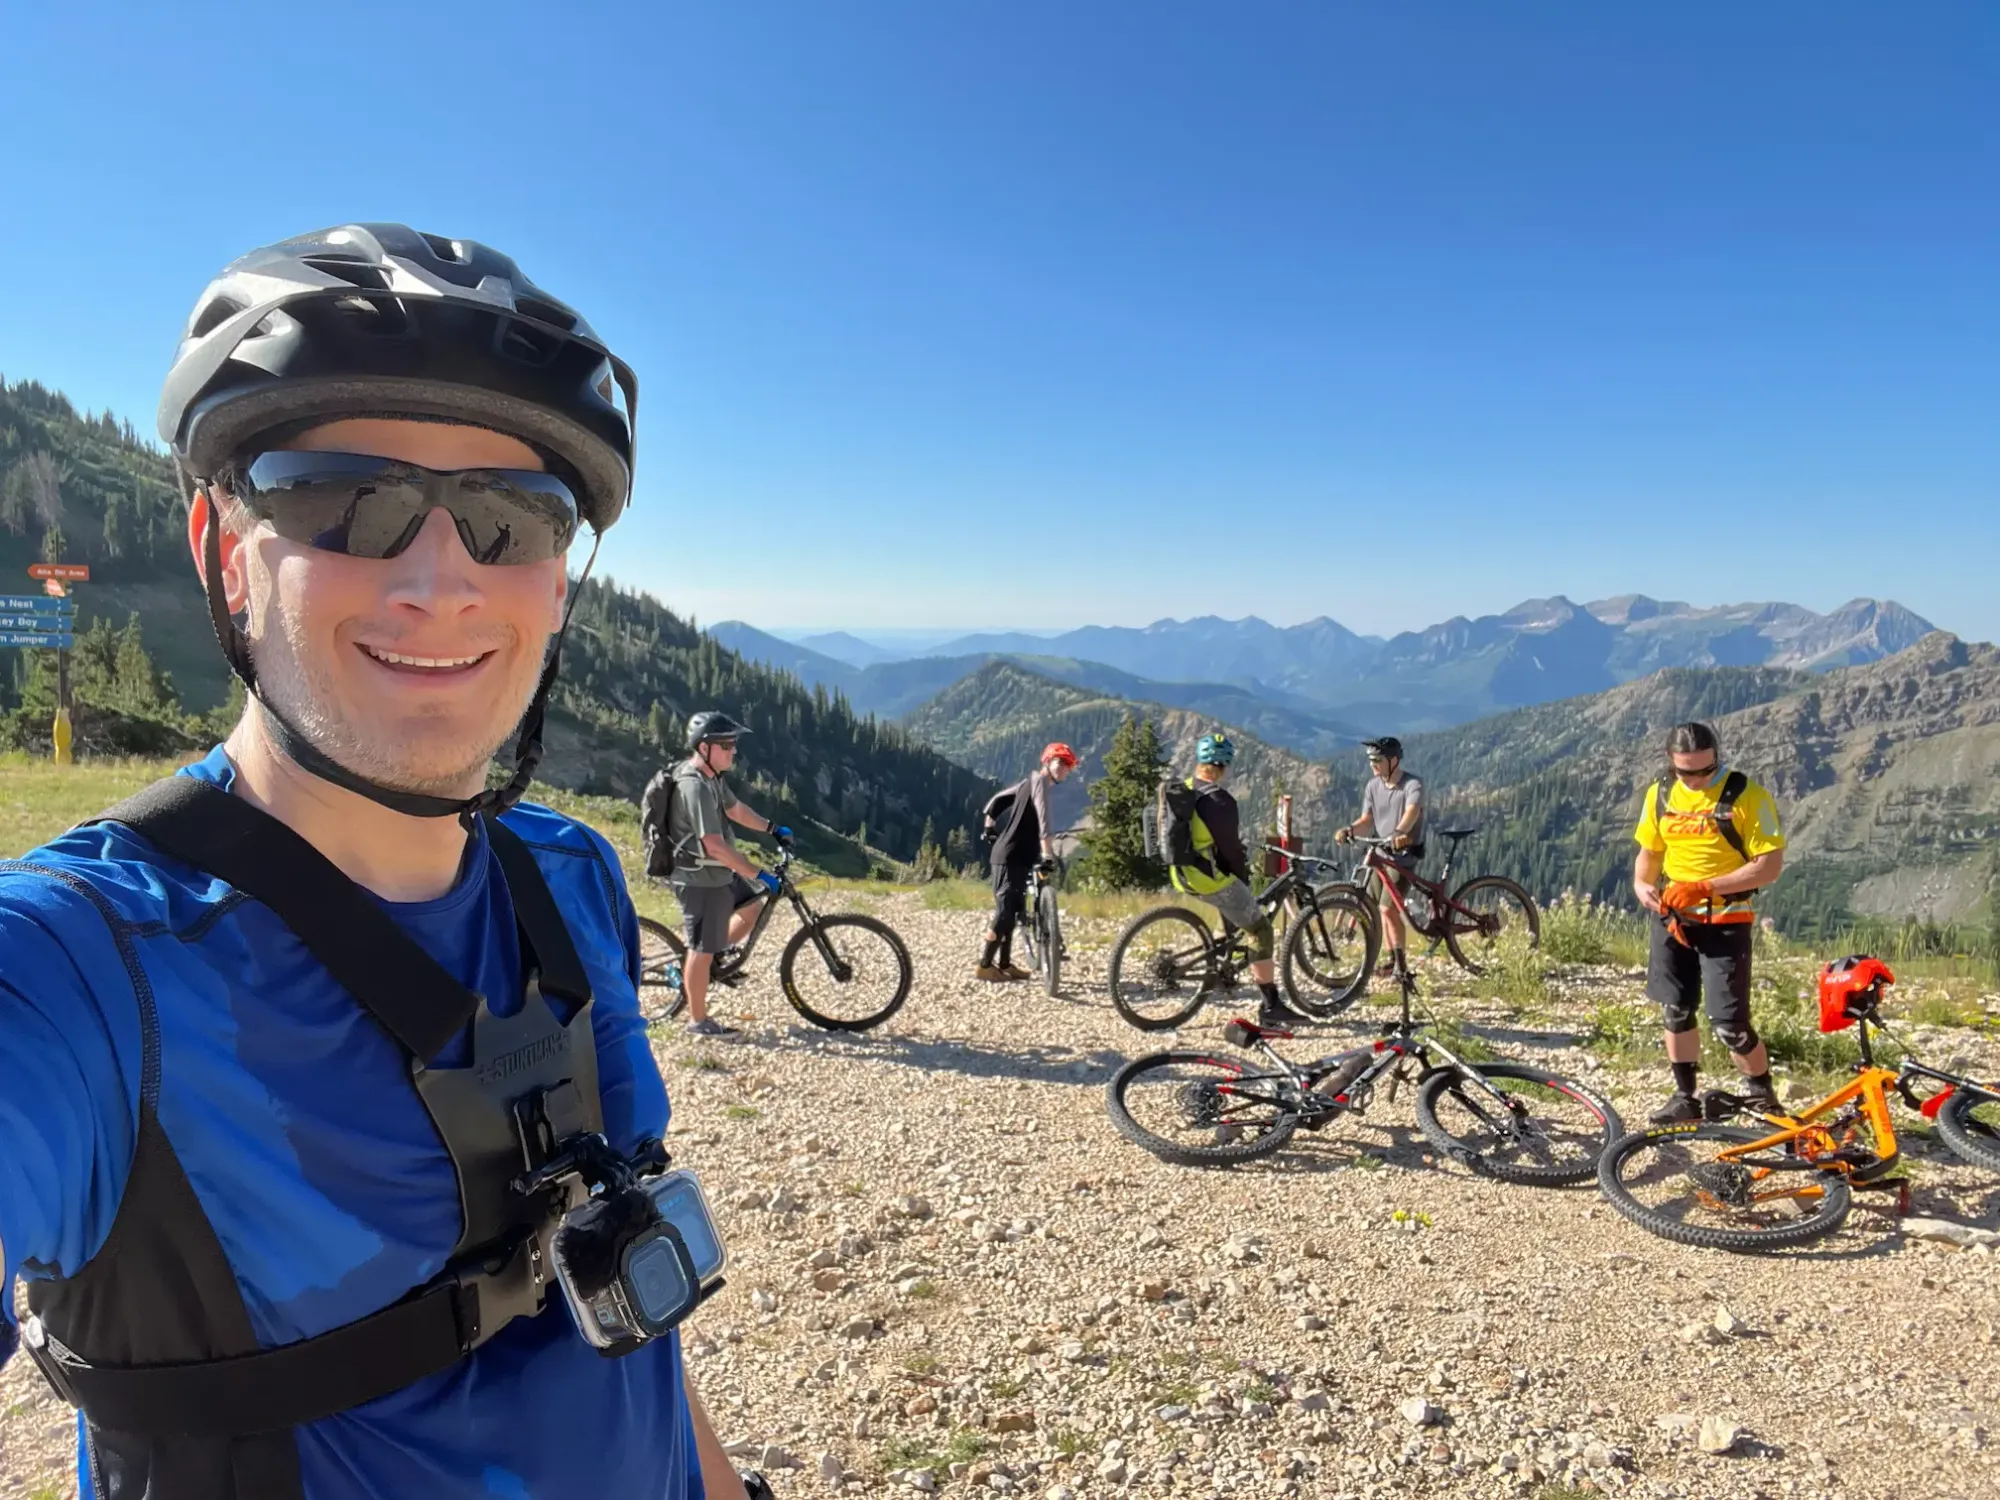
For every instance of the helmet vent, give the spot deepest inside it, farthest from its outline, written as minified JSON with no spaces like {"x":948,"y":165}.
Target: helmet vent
{"x":528,"y":343}
{"x":353,"y":272}
{"x":375,"y":315}
{"x":545,"y":312}
{"x":445,"y":249}
{"x":213,"y":316}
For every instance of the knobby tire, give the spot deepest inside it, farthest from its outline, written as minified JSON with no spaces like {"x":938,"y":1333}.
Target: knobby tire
{"x":1316,"y":978}
{"x":803,"y":950}
{"x":1526,"y":1159}
{"x":1283,"y":1121}
{"x":659,"y":944}
{"x":1048,"y":939}
{"x":1188,"y":931}
{"x":1969,"y":1138}
{"x":1507,"y":893}
{"x":1624,"y":1161}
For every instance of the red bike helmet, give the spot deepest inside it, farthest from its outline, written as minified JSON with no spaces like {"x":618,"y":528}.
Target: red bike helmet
{"x":1057,"y":750}
{"x":1850,"y":988}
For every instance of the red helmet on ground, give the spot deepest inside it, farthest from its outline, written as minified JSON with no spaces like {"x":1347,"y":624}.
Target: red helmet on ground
{"x":1057,"y":750}
{"x":1850,"y":988}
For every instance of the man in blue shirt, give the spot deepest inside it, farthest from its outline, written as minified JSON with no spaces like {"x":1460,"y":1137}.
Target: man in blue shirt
{"x":208,"y":1149}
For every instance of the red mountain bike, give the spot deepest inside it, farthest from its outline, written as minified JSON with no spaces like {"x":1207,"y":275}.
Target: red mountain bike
{"x":1471,"y":921}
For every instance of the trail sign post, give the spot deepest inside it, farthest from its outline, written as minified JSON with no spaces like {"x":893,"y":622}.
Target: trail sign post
{"x":48,"y":622}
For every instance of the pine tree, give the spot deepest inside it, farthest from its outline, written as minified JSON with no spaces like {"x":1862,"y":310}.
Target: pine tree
{"x":1115,"y":857}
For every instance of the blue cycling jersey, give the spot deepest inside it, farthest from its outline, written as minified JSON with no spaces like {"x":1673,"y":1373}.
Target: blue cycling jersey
{"x":293,"y":1115}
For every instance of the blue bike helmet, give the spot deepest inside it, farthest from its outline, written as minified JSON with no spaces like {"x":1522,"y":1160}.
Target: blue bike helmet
{"x":1215,"y":750}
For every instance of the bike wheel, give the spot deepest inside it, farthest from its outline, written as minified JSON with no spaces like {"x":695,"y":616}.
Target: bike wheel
{"x":1548,"y":1133}
{"x":1330,"y":952}
{"x":1504,"y":922}
{"x":659,"y":946}
{"x":1048,"y":942}
{"x":1162,"y":968}
{"x":1970,"y":1126}
{"x":1200,"y":1111}
{"x":1666,"y":1179}
{"x":845,"y":972}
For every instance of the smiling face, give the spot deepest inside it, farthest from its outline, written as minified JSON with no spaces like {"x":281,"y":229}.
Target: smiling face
{"x":411,"y":671}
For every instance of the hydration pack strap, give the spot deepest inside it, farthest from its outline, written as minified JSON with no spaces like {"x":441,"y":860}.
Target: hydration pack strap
{"x":1733,"y":786}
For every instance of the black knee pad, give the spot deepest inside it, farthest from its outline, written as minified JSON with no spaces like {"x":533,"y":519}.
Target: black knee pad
{"x":1678,"y":1020}
{"x":1740,"y":1037}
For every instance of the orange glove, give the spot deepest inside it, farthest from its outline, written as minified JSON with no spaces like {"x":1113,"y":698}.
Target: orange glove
{"x":1684,"y":895}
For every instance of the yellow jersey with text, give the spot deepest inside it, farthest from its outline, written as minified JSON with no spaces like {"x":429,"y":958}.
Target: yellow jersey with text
{"x":1690,"y":836}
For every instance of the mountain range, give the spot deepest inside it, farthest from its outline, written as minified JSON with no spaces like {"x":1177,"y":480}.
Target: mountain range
{"x":1316,"y":686}
{"x":1887,"y":773}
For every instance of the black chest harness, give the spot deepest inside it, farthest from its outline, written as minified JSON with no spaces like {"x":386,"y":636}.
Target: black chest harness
{"x":151,"y":1339}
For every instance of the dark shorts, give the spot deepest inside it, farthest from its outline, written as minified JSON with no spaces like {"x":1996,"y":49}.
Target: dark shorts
{"x":1010,"y":897}
{"x":1712,"y":973}
{"x":706,"y":910}
{"x":1400,"y":868}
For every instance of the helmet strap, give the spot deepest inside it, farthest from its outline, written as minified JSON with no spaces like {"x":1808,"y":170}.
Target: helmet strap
{"x":309,"y":758}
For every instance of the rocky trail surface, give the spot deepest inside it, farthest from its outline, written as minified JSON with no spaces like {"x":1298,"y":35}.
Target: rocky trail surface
{"x":948,"y":1273}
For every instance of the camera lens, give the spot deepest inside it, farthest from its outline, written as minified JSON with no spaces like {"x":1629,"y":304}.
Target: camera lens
{"x":659,"y":1284}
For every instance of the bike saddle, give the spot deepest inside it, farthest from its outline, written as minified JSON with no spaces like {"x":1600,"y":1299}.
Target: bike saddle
{"x":1243,"y":1033}
{"x":1456,"y":833}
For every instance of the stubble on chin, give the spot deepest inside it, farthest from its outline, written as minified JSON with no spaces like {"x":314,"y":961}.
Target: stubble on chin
{"x":441,"y":755}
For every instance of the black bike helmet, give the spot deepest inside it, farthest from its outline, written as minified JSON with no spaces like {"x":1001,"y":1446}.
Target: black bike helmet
{"x":1388,"y":747}
{"x":712,"y":724}
{"x":379,"y":320}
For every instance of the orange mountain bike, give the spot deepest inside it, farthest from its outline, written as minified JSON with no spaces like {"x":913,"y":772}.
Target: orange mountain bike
{"x":1791,"y":1180}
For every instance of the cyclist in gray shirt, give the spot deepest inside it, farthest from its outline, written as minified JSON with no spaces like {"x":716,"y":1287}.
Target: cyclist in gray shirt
{"x":1392,"y":807}
{"x":717,"y":888}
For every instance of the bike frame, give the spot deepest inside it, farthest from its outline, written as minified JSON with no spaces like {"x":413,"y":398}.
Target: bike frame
{"x":1810,"y":1132}
{"x":787,"y":890}
{"x":1398,"y":1042}
{"x":1375,"y":864}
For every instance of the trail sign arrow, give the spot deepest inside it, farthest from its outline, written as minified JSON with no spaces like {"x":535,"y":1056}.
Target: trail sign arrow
{"x":68,"y":572}
{"x":36,"y":604}
{"x":37,"y":638}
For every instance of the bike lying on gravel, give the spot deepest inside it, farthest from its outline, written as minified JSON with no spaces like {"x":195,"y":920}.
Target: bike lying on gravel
{"x":845,"y":971}
{"x":1168,"y":962}
{"x":1504,"y":1120}
{"x":1791,"y":1180}
{"x":1475,"y":921}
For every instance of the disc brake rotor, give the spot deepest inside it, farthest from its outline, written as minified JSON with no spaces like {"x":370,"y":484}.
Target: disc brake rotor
{"x":1726,"y":1183}
{"x":1200,"y":1102}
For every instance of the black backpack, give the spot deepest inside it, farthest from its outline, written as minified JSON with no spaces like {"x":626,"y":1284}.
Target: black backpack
{"x":1174,"y":814}
{"x":1733,"y":786}
{"x":656,"y":808}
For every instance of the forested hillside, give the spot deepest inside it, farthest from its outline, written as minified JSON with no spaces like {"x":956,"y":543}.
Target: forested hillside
{"x":88,"y":489}
{"x":998,"y":720}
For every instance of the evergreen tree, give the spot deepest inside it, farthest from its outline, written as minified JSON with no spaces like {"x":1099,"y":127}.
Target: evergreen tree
{"x":1115,"y":857}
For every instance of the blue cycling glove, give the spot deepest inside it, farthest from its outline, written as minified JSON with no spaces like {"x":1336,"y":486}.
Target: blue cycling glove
{"x":769,"y":882}
{"x":781,"y":833}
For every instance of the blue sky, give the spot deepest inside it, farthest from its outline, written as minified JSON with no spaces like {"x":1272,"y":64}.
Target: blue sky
{"x":1049,"y":314}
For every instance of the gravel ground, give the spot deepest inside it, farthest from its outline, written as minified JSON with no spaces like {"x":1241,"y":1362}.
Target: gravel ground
{"x":949,"y":1272}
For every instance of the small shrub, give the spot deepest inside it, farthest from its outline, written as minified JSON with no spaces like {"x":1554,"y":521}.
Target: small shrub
{"x":743,"y":1112}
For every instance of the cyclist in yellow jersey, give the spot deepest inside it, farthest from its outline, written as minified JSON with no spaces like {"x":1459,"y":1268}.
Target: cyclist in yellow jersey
{"x":1713,"y":834}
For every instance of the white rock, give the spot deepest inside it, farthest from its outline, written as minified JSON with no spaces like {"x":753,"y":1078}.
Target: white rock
{"x":764,"y":1300}
{"x":1717,"y":1435}
{"x":1420,"y":1413}
{"x":774,"y":1456}
{"x":1728,"y":1324}
{"x":911,"y":1206}
{"x":1944,"y":1232}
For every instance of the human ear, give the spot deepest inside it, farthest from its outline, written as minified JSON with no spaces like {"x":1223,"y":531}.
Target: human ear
{"x":202,"y":514}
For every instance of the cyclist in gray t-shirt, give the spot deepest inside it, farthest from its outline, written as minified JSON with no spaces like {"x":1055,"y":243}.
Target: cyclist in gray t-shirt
{"x":717,"y":888}
{"x":1392,"y":807}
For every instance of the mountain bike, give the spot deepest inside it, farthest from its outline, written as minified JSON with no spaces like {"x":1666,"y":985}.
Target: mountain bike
{"x":1503,"y":1120}
{"x":1473,"y":921}
{"x":857,"y":976}
{"x":1791,"y":1179}
{"x":1042,"y":932}
{"x":1168,"y":961}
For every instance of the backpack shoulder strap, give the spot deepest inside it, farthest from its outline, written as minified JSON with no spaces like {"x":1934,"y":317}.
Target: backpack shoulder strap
{"x":559,"y":969}
{"x":410,"y":993}
{"x":1733,"y":786}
